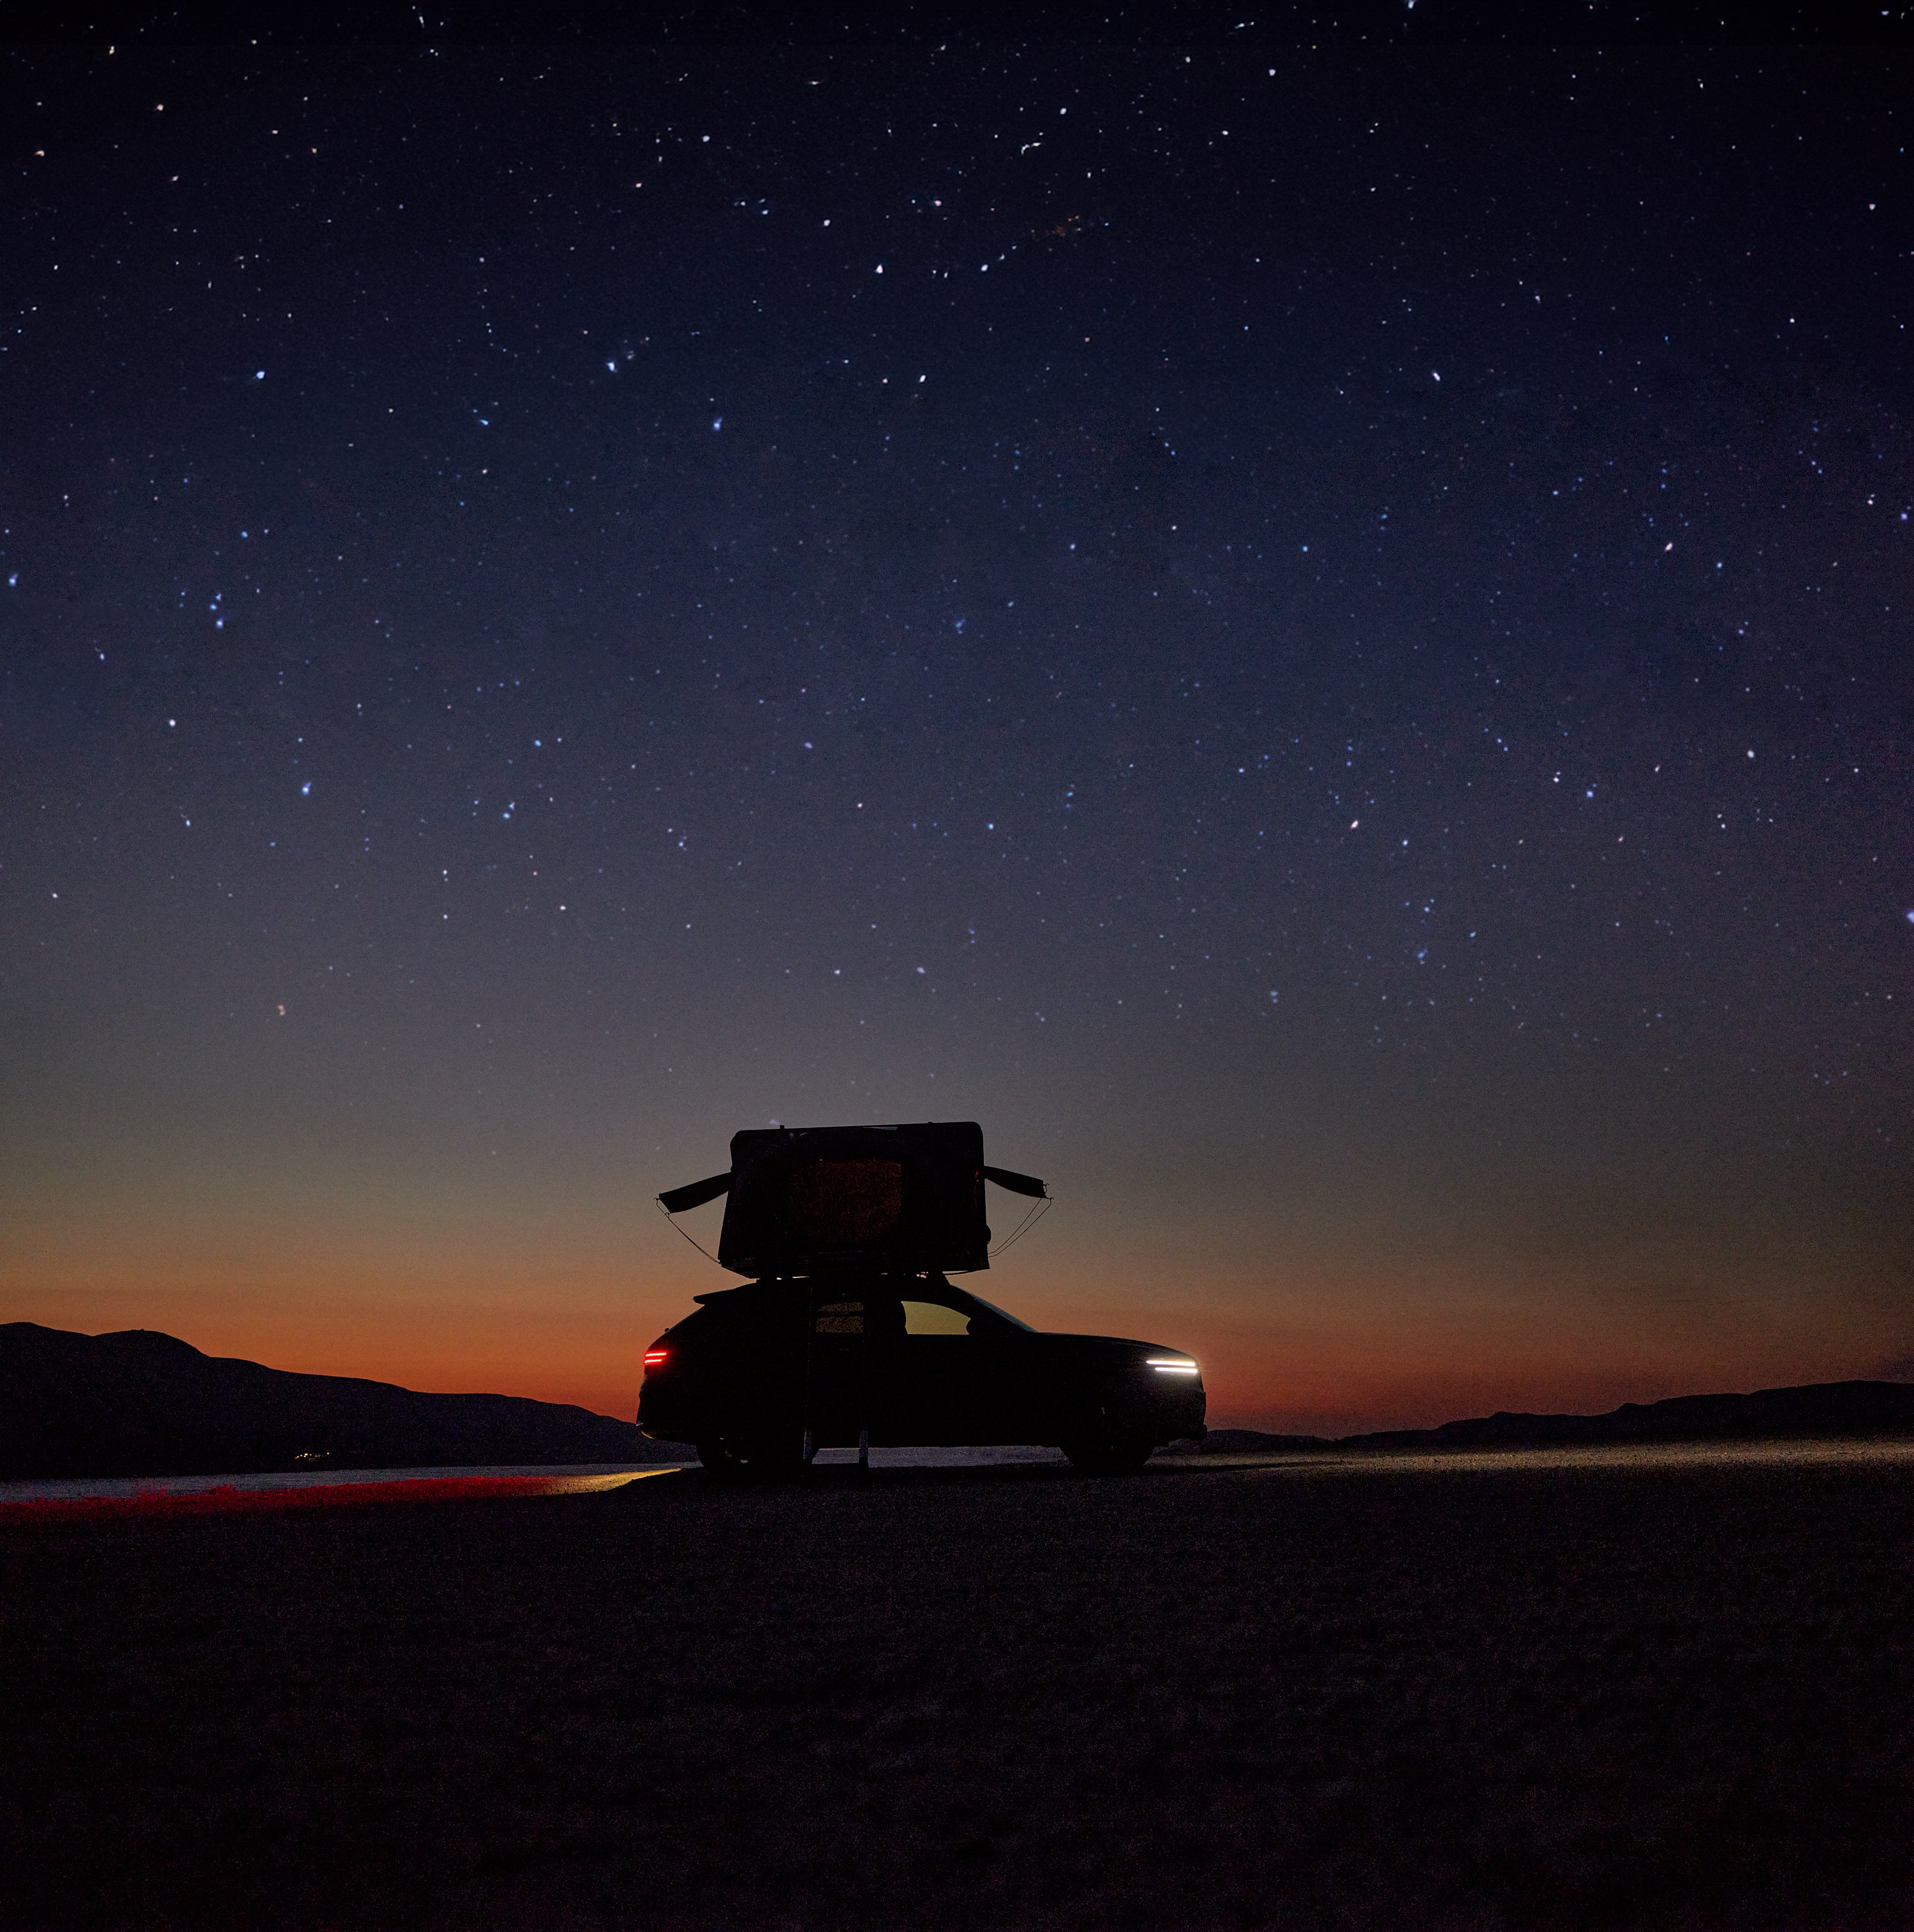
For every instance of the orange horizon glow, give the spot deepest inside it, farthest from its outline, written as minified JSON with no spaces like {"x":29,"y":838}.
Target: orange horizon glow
{"x":1321,"y":1351}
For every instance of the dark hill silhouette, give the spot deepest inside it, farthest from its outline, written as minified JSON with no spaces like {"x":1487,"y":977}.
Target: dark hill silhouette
{"x":1818,"y":1409}
{"x":140,"y":1403}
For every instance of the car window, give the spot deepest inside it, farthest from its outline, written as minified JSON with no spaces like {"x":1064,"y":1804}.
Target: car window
{"x":932,"y":1317}
{"x":1002,"y":1314}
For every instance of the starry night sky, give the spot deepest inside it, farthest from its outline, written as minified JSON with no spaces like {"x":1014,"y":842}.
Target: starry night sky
{"x":1317,"y":636}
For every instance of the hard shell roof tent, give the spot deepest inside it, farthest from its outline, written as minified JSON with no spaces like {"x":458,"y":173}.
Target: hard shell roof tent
{"x":808,"y":1201}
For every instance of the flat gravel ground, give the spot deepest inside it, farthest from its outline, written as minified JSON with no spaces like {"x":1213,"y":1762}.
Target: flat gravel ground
{"x":1448,"y":1693}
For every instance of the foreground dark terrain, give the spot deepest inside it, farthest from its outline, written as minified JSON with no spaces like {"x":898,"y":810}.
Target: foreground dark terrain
{"x":1449,"y":1692}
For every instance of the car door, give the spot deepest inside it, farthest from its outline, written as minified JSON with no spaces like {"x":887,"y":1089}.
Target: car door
{"x":957,"y":1381}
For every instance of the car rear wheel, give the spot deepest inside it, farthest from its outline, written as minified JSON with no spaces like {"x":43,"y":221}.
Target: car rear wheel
{"x":748,"y":1456}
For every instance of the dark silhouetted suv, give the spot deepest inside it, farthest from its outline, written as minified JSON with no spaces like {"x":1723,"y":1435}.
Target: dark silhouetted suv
{"x":852,"y":1334}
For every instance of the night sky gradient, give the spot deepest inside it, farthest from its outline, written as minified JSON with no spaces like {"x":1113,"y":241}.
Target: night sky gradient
{"x":1317,"y":636}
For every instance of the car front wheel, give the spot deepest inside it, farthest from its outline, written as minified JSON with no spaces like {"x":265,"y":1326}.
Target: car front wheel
{"x":1110,"y":1456}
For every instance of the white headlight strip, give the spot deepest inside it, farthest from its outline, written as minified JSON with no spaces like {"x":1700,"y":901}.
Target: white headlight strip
{"x":1172,"y":1365}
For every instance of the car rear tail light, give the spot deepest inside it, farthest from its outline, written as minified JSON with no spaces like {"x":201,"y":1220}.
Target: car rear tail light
{"x":656,"y":1358}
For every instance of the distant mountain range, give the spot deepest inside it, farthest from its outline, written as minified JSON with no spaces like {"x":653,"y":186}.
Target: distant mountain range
{"x":1817,"y":1409}
{"x":139,"y":1403}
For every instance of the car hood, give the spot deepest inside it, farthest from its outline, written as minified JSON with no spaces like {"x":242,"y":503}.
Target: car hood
{"x":1112,"y":1345}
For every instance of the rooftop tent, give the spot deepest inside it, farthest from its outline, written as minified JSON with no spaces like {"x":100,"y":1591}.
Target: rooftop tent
{"x":811,"y":1200}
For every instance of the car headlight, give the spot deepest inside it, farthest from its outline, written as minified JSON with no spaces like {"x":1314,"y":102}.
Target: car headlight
{"x":1172,"y":1365}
